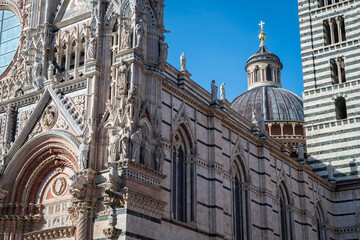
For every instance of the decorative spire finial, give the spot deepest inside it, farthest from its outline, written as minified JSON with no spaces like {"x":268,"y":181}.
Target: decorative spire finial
{"x":262,"y":35}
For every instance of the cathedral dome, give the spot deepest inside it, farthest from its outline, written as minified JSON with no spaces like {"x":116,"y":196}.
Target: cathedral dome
{"x":277,"y":104}
{"x":265,"y":94}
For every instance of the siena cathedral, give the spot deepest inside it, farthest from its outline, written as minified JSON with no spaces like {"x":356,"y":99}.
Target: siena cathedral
{"x":101,"y":138}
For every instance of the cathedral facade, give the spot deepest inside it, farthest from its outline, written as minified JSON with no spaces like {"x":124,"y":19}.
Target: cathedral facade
{"x":101,"y":138}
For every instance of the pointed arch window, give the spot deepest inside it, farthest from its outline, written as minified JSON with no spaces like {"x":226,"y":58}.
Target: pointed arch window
{"x":182,"y":178}
{"x":340,"y":108}
{"x":286,"y":227}
{"x":320,"y":222}
{"x":240,"y":203}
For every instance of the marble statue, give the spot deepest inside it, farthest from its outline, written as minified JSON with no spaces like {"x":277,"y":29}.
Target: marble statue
{"x":125,"y":149}
{"x":123,"y":81}
{"x":300,"y":152}
{"x":136,"y":139}
{"x":262,"y":127}
{"x":159,"y":156}
{"x":254,"y":118}
{"x":125,"y":37}
{"x":51,"y":69}
{"x":163,"y":51}
{"x":183,"y":62}
{"x":214,"y":91}
{"x":140,"y":33}
{"x":222,"y":92}
{"x":91,"y":48}
{"x":114,"y":143}
{"x":83,"y":153}
{"x":38,"y":80}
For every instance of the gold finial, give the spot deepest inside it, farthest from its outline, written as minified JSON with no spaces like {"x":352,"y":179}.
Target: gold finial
{"x":262,"y":35}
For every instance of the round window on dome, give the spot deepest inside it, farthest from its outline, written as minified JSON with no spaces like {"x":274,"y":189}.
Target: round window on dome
{"x":9,"y":37}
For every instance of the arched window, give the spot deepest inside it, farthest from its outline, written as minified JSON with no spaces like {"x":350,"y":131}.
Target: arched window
{"x":285,"y":215}
{"x":334,"y":72}
{"x":183,"y":171}
{"x":342,"y":28}
{"x":321,"y":3}
{"x":340,"y":108}
{"x":320,"y":222}
{"x":240,"y":203}
{"x":268,"y":73}
{"x":327,"y":34}
{"x":257,"y":74}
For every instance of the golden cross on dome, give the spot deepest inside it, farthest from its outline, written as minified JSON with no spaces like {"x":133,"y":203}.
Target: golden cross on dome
{"x":262,"y":25}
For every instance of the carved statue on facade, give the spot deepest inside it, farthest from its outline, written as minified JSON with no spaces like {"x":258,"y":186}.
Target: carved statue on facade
{"x":163,"y":51}
{"x":331,"y":171}
{"x":222,"y":92}
{"x":28,"y":74}
{"x":125,"y":148}
{"x":51,"y":70}
{"x":144,"y":151}
{"x":254,"y":118}
{"x":83,"y":152}
{"x":38,"y":80}
{"x":159,"y":156}
{"x":123,"y":77}
{"x":300,"y":152}
{"x":183,"y":62}
{"x":91,"y":48}
{"x":49,"y":117}
{"x":136,"y":139}
{"x":78,"y":186}
{"x":140,"y":33}
{"x":125,"y":37}
{"x":262,"y":126}
{"x":114,"y":145}
{"x":214,"y":91}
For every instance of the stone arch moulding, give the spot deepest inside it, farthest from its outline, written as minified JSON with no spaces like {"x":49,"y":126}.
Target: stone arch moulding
{"x":11,"y":6}
{"x":182,"y":118}
{"x":39,"y":142}
{"x":48,"y":95}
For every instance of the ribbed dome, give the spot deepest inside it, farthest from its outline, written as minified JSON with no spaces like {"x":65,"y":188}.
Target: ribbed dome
{"x":277,"y":104}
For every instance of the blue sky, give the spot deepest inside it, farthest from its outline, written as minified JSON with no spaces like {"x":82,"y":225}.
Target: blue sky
{"x":219,"y":36}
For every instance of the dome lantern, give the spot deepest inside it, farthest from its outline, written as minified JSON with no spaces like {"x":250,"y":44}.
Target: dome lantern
{"x":264,"y":67}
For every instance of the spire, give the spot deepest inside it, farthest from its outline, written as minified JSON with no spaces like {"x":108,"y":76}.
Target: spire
{"x":262,"y":35}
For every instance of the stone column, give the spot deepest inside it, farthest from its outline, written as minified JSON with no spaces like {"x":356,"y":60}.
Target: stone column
{"x":67,"y":61}
{"x":338,"y":22}
{"x":8,"y":127}
{"x":115,"y":42}
{"x":82,"y":228}
{"x":338,"y":64}
{"x":270,"y":125}
{"x":293,"y":127}
{"x":77,"y":59}
{"x":262,"y":75}
{"x":282,"y":129}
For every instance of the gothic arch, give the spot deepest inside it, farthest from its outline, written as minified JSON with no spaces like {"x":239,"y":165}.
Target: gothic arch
{"x":35,"y":155}
{"x":321,"y":221}
{"x":182,"y":121}
{"x":240,"y":199}
{"x":183,"y":176}
{"x":285,"y":213}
